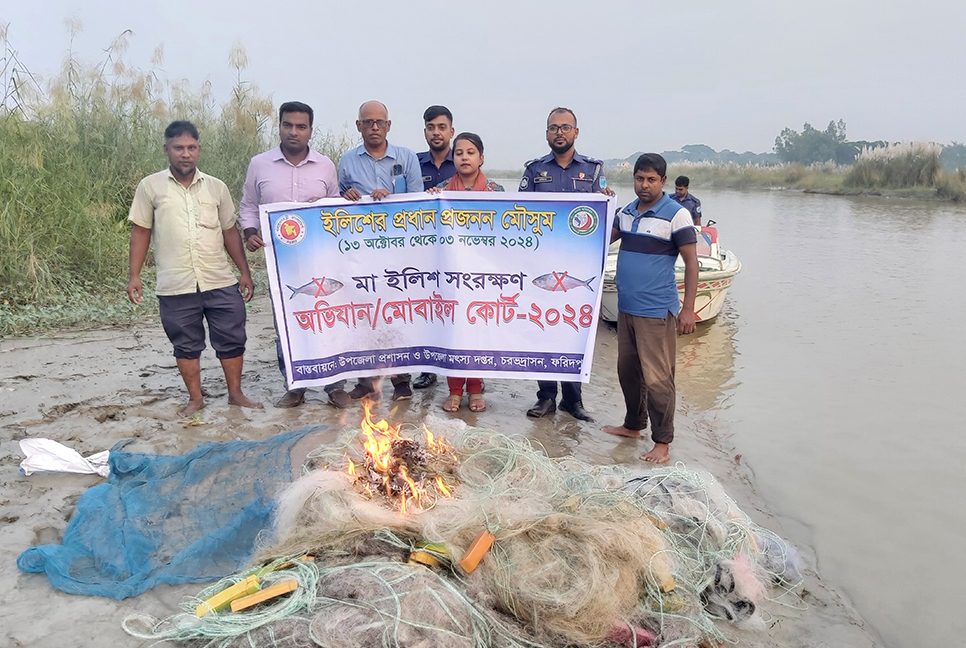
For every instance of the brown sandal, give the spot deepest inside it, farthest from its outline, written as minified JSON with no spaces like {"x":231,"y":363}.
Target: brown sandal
{"x":477,"y":404}
{"x":452,"y":403}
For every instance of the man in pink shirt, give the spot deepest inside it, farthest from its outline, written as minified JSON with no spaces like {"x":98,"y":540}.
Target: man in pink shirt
{"x":293,"y":172}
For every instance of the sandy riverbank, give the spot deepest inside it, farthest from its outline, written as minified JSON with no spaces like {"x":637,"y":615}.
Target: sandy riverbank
{"x":93,"y":389}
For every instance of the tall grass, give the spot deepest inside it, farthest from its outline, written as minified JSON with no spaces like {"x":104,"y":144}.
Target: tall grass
{"x":951,"y":185}
{"x":904,"y":170}
{"x":902,"y":165}
{"x":816,"y":177}
{"x":72,"y":150}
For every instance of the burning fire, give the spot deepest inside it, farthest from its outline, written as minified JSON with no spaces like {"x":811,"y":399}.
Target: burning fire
{"x":399,"y":468}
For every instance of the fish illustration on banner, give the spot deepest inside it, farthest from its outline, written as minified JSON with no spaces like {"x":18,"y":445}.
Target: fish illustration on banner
{"x":554,"y":281}
{"x":316,"y":288}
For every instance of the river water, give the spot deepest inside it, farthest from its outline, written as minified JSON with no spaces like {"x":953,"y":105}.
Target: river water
{"x":837,"y":369}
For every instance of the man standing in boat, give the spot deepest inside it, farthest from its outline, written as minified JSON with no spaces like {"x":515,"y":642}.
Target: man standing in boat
{"x":563,"y":169}
{"x":291,"y":172}
{"x":653,"y":230}
{"x":437,"y":166}
{"x":686,"y":199}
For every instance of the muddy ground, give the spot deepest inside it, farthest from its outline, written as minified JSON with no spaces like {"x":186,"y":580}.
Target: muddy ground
{"x":93,"y":389}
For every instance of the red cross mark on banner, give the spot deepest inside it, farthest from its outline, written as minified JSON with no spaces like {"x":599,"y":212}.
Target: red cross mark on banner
{"x":560,"y":281}
{"x":321,"y":284}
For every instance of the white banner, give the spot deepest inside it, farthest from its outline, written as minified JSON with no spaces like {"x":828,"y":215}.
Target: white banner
{"x":471,"y":284}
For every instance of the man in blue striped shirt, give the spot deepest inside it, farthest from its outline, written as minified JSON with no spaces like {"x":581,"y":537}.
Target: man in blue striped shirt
{"x":653,"y":230}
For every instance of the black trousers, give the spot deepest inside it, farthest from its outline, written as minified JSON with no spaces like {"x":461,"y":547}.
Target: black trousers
{"x":548,"y":391}
{"x":183,"y":317}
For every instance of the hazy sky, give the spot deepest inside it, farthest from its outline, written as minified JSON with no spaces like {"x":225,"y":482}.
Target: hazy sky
{"x":640,"y":75}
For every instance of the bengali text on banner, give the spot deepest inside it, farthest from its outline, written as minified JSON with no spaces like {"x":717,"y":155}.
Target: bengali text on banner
{"x":503,"y":285}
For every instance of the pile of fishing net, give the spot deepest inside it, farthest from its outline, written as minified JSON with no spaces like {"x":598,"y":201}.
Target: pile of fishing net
{"x":581,"y":555}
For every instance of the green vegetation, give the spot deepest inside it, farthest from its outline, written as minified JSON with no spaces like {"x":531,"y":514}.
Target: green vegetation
{"x":913,"y":169}
{"x":953,"y":156}
{"x":813,"y":146}
{"x":951,"y":185}
{"x":825,"y":162}
{"x":899,"y":165}
{"x":819,"y":178}
{"x":71,"y":154}
{"x":701,"y":153}
{"x":870,"y":176}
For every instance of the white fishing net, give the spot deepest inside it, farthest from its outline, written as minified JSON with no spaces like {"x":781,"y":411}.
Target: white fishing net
{"x":582,"y":555}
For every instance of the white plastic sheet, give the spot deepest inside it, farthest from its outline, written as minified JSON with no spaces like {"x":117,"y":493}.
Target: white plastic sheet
{"x":50,"y":456}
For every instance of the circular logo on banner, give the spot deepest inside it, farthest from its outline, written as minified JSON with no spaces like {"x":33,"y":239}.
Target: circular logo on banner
{"x":290,"y":230}
{"x":583,"y":221}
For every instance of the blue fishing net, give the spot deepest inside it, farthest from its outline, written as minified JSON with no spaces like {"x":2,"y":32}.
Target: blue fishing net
{"x":163,"y":519}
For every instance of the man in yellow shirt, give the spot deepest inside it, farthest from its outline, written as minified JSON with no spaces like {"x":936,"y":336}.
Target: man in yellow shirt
{"x":190,"y":218}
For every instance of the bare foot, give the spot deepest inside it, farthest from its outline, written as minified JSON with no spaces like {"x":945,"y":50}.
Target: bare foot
{"x":621,"y":431}
{"x":244,"y":401}
{"x":192,"y":407}
{"x":659,"y":454}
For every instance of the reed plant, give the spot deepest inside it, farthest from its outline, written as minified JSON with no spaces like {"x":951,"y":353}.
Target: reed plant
{"x":816,"y":177}
{"x":900,"y":170}
{"x":896,"y":166}
{"x":951,"y":185}
{"x":72,"y":150}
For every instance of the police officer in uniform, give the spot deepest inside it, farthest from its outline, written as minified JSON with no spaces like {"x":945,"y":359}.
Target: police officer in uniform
{"x":563,"y":169}
{"x":436,"y":164}
{"x":686,"y":199}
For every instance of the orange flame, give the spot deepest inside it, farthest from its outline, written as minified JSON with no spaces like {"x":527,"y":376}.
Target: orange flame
{"x":442,"y":488}
{"x":436,"y":445}
{"x":383,"y":466}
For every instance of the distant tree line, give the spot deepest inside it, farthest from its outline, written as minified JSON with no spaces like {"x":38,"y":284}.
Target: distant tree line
{"x":702,"y":154}
{"x":812,"y":146}
{"x":954,"y":156}
{"x":808,"y":146}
